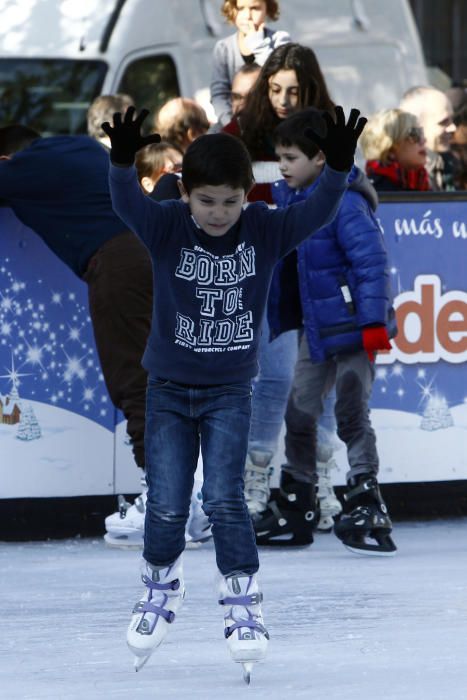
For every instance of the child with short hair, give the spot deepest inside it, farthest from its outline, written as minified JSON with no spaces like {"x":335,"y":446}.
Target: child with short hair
{"x":251,"y":43}
{"x":346,"y":306}
{"x":213,"y":262}
{"x":155,"y":160}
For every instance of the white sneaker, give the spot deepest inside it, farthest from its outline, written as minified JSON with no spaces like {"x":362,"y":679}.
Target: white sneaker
{"x":247,"y":638}
{"x":328,"y":502}
{"x":156,"y":609}
{"x":258,"y":471}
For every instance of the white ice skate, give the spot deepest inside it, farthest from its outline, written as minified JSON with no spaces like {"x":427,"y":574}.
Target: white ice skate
{"x":258,"y":471}
{"x":328,"y":503}
{"x":156,"y":609}
{"x":244,"y":630}
{"x":198,"y":527}
{"x":125,"y":528}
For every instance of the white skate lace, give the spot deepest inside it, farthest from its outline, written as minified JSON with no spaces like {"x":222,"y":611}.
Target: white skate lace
{"x":257,"y":489}
{"x":329,"y":503}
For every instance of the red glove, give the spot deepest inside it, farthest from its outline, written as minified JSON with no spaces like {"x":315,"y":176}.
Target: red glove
{"x":375,"y":338}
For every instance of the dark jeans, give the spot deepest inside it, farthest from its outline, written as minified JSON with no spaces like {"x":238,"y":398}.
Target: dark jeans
{"x":179,"y":420}
{"x":119,"y":279}
{"x":300,"y":443}
{"x":353,"y":376}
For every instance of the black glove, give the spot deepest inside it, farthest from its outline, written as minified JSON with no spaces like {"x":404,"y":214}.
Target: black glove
{"x":337,"y":139}
{"x":125,"y":136}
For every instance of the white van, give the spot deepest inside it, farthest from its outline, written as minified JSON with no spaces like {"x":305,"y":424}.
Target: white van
{"x":57,"y":55}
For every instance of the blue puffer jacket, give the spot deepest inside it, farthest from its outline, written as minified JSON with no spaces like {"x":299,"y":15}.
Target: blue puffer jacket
{"x":343,"y":277}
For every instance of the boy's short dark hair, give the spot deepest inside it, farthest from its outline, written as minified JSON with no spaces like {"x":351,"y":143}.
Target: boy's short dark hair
{"x":291,"y":131}
{"x":16,"y":137}
{"x":217,"y":159}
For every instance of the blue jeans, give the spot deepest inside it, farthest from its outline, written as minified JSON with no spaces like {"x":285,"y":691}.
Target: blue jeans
{"x":271,"y":388}
{"x":179,"y":420}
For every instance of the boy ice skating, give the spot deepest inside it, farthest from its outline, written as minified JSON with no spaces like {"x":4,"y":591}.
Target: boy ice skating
{"x":346,"y":306}
{"x":212,"y":263}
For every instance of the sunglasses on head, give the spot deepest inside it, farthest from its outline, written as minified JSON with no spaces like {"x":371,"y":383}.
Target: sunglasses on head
{"x":416,"y":134}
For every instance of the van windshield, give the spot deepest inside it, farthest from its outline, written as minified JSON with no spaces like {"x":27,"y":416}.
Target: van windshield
{"x":49,"y":95}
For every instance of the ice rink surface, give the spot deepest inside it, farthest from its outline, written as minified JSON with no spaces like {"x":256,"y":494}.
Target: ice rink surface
{"x":343,"y":626}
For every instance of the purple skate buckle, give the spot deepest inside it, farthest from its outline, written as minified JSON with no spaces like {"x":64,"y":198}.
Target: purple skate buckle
{"x":245,"y":600}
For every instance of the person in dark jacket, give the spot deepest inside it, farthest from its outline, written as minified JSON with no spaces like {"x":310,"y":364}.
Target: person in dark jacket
{"x":58,"y":186}
{"x":346,"y":305}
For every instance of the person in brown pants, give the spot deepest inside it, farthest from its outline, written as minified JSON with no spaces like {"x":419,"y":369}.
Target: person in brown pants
{"x":58,"y":186}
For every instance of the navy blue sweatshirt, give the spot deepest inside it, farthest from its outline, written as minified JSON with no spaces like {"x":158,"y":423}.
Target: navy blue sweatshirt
{"x":210,"y":293}
{"x":59,"y":187}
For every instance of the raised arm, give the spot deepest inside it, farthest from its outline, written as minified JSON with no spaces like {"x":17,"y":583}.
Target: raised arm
{"x":125,"y":137}
{"x":143,"y":216}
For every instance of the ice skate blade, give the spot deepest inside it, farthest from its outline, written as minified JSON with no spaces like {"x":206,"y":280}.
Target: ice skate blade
{"x":388,"y":549}
{"x":122,"y":542}
{"x":247,"y":669}
{"x":283,"y":543}
{"x":370,"y":552}
{"x":140,"y":662}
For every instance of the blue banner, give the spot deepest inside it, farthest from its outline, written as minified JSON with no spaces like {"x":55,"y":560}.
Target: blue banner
{"x":55,"y":412}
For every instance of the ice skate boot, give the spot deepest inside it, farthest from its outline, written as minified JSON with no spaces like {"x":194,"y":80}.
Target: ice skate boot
{"x":125,"y":528}
{"x":156,"y":609}
{"x":366,"y":527}
{"x":258,"y":472}
{"x":290,"y":520}
{"x":329,"y":506}
{"x":198,"y":527}
{"x":247,"y":638}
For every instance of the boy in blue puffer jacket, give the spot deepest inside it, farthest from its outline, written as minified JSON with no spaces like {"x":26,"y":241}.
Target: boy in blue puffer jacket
{"x":346,"y":306}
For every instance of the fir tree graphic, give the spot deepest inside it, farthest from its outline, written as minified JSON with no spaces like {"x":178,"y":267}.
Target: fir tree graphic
{"x":29,"y":428}
{"x":436,"y":414}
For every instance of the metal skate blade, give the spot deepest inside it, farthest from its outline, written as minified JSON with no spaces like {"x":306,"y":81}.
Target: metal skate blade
{"x":140,"y":661}
{"x":247,"y":669}
{"x":122,"y":541}
{"x":381,"y":545}
{"x":376,"y":552}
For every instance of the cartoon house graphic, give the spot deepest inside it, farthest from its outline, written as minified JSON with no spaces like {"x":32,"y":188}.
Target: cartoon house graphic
{"x":10,"y":412}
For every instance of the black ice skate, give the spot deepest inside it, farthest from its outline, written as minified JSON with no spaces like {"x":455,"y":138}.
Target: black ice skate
{"x":290,"y":520}
{"x":366,"y":527}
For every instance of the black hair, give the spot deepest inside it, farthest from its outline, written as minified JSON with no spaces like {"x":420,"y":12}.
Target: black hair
{"x":16,"y":137}
{"x":217,"y":159}
{"x":258,"y":119}
{"x":291,"y":131}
